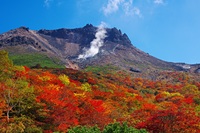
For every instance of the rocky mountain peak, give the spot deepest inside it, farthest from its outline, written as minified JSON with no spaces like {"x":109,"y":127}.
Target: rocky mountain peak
{"x":19,"y":36}
{"x":88,"y":26}
{"x":24,"y":28}
{"x":14,"y":32}
{"x":86,"y":34}
{"x":116,"y":36}
{"x":59,"y":33}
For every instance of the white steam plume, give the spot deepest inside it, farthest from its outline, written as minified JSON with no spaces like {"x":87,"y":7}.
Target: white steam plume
{"x":96,"y":43}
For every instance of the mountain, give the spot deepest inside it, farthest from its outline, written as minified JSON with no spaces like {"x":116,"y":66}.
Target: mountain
{"x":68,"y":45}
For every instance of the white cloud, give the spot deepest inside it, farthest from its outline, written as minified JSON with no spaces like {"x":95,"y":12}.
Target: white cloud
{"x":126,"y":6}
{"x":112,"y":6}
{"x":96,"y":43}
{"x":137,"y":11}
{"x":158,"y":1}
{"x":130,"y":10}
{"x":47,"y":3}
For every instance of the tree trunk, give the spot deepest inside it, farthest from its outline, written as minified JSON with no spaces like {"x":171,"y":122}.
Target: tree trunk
{"x":8,"y":115}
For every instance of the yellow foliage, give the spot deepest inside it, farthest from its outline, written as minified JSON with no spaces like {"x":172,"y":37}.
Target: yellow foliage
{"x":82,"y":95}
{"x":64,"y":79}
{"x":197,"y":109}
{"x":176,"y":94}
{"x":19,"y":68}
{"x":53,"y":87}
{"x":15,"y":127}
{"x":190,"y":90}
{"x":86,"y":87}
{"x":130,"y":94}
{"x":44,"y":78}
{"x":168,"y":94}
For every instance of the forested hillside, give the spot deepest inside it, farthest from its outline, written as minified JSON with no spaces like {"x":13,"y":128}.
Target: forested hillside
{"x":66,"y":100}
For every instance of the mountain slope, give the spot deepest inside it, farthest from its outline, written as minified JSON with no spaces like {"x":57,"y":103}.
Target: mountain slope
{"x":69,"y":44}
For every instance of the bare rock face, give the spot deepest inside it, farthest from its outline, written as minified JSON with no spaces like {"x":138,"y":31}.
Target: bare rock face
{"x":197,"y":70}
{"x":115,"y":36}
{"x":17,"y":40}
{"x":68,"y":44}
{"x":85,"y":35}
{"x":81,"y":36}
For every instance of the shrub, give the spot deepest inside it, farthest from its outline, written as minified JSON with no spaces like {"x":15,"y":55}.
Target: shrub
{"x":84,"y":129}
{"x":121,"y":128}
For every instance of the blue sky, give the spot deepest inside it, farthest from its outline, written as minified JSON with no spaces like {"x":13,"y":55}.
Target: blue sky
{"x":166,"y":29}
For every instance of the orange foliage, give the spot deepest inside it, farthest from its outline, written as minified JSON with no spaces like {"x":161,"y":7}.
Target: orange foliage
{"x":172,"y":121}
{"x":157,"y":106}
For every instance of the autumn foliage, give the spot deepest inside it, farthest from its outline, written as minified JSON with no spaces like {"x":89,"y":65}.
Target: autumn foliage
{"x":48,"y":100}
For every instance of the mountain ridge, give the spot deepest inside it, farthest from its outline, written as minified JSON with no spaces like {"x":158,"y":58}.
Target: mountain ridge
{"x":68,"y":44}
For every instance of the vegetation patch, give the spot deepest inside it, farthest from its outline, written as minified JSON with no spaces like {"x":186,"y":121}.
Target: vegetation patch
{"x":34,"y":59}
{"x":107,"y":69}
{"x":66,"y":100}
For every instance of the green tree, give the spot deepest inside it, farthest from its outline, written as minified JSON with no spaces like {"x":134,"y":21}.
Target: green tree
{"x":15,"y":91}
{"x":18,"y":96}
{"x":84,"y":129}
{"x":6,"y":66}
{"x":21,"y":125}
{"x":190,"y":90}
{"x":121,"y":128}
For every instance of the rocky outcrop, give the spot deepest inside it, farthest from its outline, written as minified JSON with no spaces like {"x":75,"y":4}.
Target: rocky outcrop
{"x":135,"y":70}
{"x":197,"y":70}
{"x":85,"y":35}
{"x":82,"y":36}
{"x":17,"y":40}
{"x":116,"y":36}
